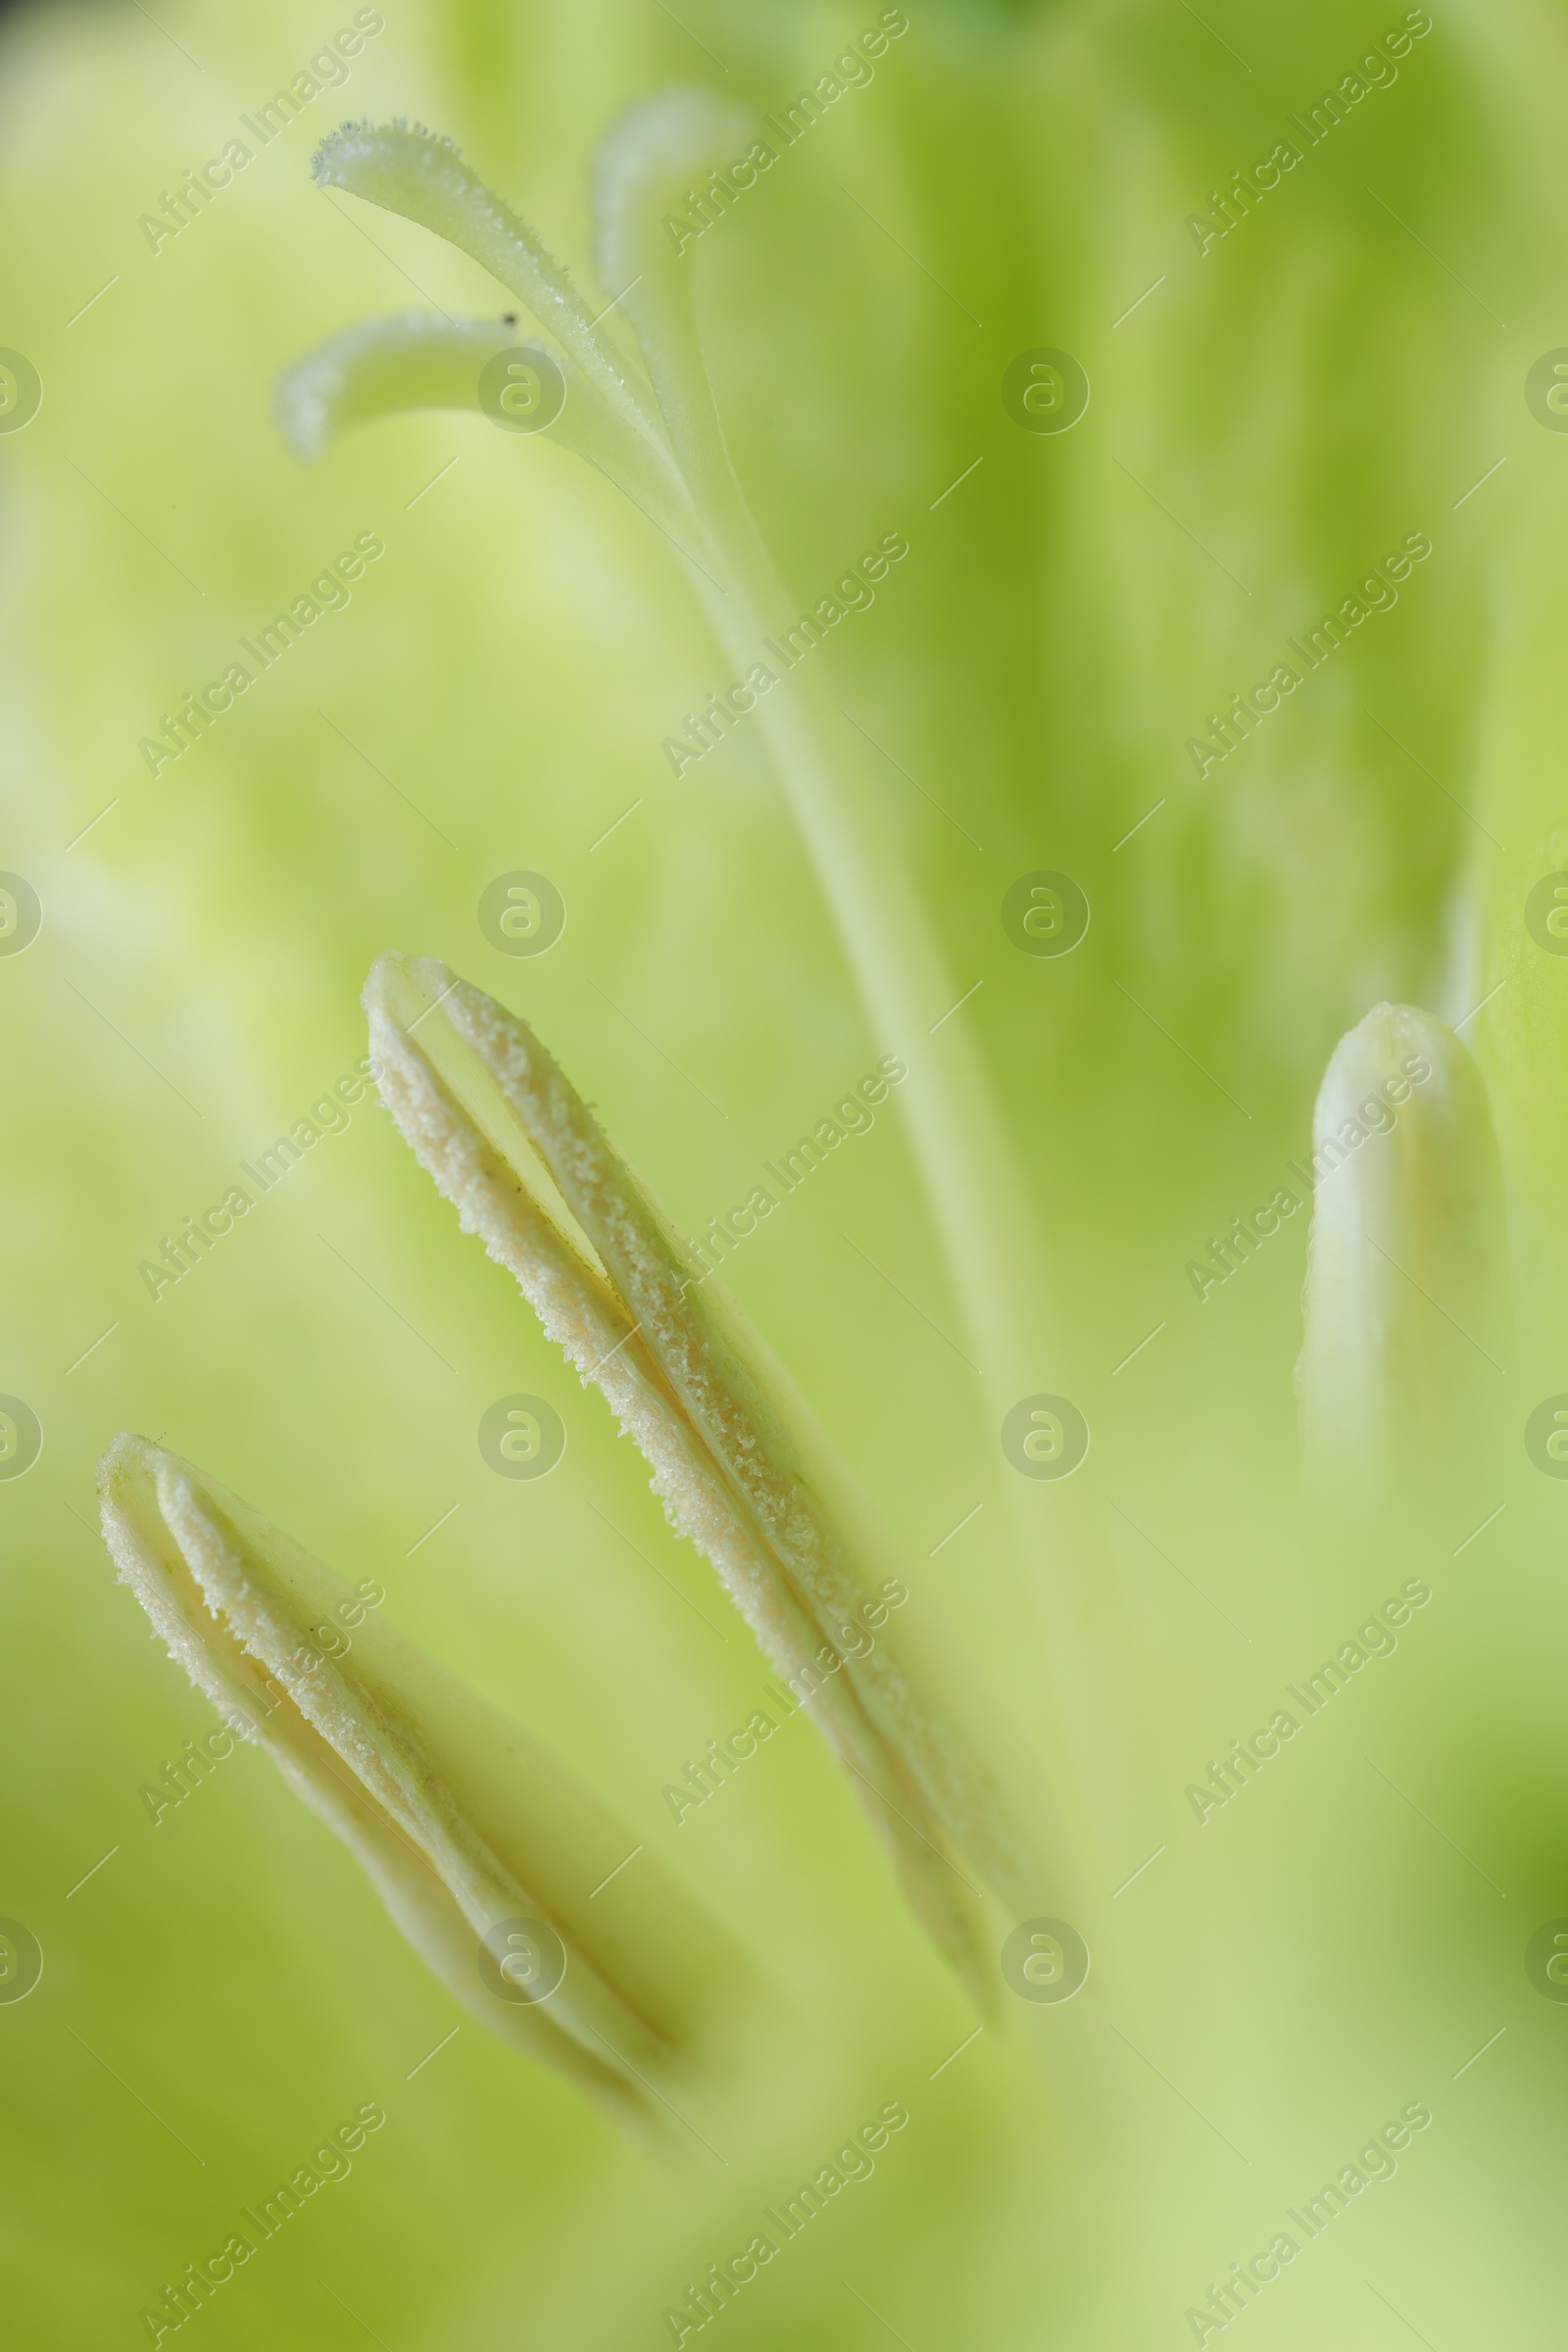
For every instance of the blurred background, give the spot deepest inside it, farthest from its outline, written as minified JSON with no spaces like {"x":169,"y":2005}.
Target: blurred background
{"x":1274,"y":410}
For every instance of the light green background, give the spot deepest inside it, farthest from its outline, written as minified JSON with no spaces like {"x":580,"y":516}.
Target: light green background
{"x":1281,"y":410}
